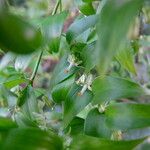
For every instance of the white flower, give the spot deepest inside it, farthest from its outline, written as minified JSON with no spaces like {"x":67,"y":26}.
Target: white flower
{"x":102,"y":107}
{"x":86,"y":82}
{"x":72,"y":62}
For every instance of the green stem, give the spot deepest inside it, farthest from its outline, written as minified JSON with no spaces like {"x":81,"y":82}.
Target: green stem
{"x":41,"y":53}
{"x":36,"y":67}
{"x":60,"y":1}
{"x":56,"y":7}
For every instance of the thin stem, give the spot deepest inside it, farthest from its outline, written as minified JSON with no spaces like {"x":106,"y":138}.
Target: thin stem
{"x":36,"y":67}
{"x":41,"y":53}
{"x":60,"y":1}
{"x":56,"y":7}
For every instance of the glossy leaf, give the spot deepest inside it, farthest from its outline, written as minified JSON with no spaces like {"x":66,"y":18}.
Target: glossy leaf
{"x":95,"y":125}
{"x":31,"y":139}
{"x":111,"y":88}
{"x":113,"y":33}
{"x":17,"y":35}
{"x":60,"y":91}
{"x":80,"y":26}
{"x":51,"y":27}
{"x":83,"y":142}
{"x":134,"y":116}
{"x":85,"y":8}
{"x":74,"y":103}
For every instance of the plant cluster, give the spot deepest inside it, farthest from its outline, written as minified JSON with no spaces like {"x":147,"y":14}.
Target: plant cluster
{"x":96,"y":97}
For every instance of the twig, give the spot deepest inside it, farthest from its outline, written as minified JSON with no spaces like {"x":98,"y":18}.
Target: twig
{"x":36,"y":67}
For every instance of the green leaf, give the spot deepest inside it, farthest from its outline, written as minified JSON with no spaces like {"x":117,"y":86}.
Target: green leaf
{"x":83,"y":142}
{"x":125,"y":58}
{"x":29,"y":101}
{"x":22,"y":96}
{"x":75,"y":103}
{"x":113,"y":33}
{"x":111,"y":88}
{"x":95,"y":125}
{"x":86,"y":8}
{"x":92,"y":36}
{"x":14,"y":82}
{"x":6,"y":123}
{"x":51,"y":27}
{"x":60,"y":91}
{"x":128,"y":116}
{"x":82,"y":38}
{"x":31,"y":139}
{"x":138,"y":133}
{"x":80,"y":26}
{"x":89,"y":56}
{"x":17,"y":35}
{"x":60,"y":74}
{"x":23,"y":120}
{"x":76,"y":126}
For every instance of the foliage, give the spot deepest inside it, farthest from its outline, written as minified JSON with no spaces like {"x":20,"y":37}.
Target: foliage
{"x":96,"y":95}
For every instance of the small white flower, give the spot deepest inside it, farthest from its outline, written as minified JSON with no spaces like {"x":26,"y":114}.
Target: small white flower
{"x":86,"y":82}
{"x":72,"y":62}
{"x":103,"y":107}
{"x":81,"y":80}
